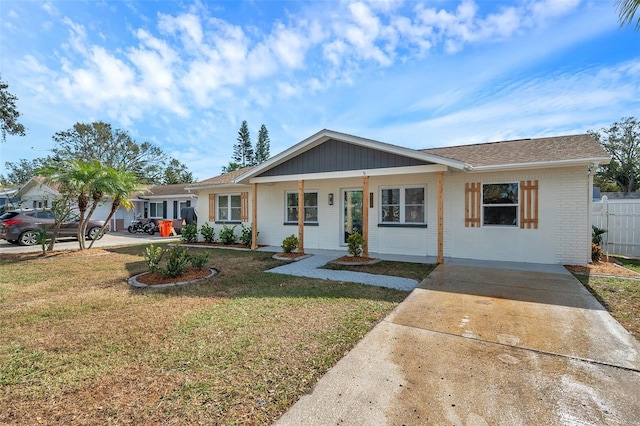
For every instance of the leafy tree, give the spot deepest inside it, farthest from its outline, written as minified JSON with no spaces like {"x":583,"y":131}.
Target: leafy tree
{"x":176,"y":172}
{"x":9,"y":114}
{"x":231,"y":167}
{"x":243,"y":151}
{"x":21,"y":171}
{"x":622,"y":142}
{"x":262,"y":145}
{"x":627,"y":10}
{"x":113,"y":148}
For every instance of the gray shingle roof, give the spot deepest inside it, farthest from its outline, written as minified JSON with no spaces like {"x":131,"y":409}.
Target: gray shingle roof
{"x":222,"y":179}
{"x":522,"y":151}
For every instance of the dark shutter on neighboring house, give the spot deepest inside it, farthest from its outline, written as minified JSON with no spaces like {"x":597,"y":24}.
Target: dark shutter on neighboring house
{"x":175,"y":209}
{"x":164,"y":209}
{"x":529,"y":204}
{"x":212,"y":207}
{"x":472,"y":204}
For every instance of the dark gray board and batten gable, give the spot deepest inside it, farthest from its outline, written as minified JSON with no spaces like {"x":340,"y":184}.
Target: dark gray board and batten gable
{"x":337,"y":156}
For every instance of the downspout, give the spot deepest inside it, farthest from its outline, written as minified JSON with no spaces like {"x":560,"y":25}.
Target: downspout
{"x":590,"y":173}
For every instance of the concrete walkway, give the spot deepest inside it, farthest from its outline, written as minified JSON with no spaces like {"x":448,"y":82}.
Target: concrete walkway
{"x":484,"y":346}
{"x":309,"y":267}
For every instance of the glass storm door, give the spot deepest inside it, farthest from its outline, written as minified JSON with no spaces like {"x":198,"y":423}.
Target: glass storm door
{"x":351,"y":213}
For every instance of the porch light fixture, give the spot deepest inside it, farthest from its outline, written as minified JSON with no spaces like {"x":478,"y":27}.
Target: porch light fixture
{"x":330,"y":199}
{"x":371,"y":200}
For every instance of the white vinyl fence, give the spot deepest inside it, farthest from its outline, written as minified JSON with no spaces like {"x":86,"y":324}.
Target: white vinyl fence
{"x":621,"y":219}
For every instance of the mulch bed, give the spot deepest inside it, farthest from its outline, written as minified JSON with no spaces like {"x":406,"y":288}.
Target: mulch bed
{"x":353,"y":260}
{"x":603,"y":268}
{"x":154,"y":278}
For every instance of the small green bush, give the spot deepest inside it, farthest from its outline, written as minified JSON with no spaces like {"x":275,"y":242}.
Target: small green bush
{"x":41,"y":238}
{"x":290,"y":243}
{"x":152,"y":256}
{"x":355,"y":244}
{"x":198,"y":260}
{"x":208,"y":233}
{"x":246,"y":235}
{"x":189,"y":233}
{"x":227,"y":234}
{"x":177,"y":261}
{"x":596,"y":235}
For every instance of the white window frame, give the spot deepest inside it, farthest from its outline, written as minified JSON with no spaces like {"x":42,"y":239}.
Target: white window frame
{"x":287,"y":207}
{"x":155,"y":203}
{"x":229,"y":208}
{"x":402,"y":205}
{"x":490,"y":205}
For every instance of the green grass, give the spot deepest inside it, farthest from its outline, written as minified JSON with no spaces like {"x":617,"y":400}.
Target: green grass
{"x":620,"y":296}
{"x":416,"y":271}
{"x":633,"y":264}
{"x":79,"y":345}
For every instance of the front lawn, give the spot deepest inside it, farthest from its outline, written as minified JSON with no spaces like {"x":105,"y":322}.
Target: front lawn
{"x":633,"y":264}
{"x":80,"y":346}
{"x":416,"y":271}
{"x":620,"y":296}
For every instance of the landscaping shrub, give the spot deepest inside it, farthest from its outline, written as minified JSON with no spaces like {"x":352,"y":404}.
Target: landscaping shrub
{"x":290,"y":244}
{"x":198,"y":260}
{"x":596,"y":243}
{"x":208,"y":233}
{"x":246,"y":236}
{"x":177,"y":261}
{"x":355,"y":244}
{"x":596,"y":252}
{"x":189,"y":233}
{"x":153,"y":255}
{"x":227,"y":234}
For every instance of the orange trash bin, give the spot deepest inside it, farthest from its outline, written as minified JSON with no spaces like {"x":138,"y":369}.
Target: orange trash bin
{"x":165,"y":228}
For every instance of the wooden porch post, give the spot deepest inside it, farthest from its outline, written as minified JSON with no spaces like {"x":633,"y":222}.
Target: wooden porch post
{"x":365,"y":215}
{"x":300,"y":216}
{"x":254,"y":217}
{"x":440,"y":259}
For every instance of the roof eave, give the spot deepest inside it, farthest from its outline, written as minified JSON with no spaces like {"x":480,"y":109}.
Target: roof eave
{"x":542,"y":164}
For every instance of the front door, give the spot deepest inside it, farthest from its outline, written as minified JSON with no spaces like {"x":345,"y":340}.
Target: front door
{"x":351,"y":213}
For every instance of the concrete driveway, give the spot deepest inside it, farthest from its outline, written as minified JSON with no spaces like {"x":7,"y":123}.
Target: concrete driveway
{"x":110,"y":239}
{"x":480,"y":346}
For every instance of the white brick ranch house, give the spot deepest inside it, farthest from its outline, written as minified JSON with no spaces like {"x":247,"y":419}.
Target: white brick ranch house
{"x":522,"y":201}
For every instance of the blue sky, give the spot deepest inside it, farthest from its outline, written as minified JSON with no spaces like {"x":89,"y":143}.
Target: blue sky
{"x":184,"y":75}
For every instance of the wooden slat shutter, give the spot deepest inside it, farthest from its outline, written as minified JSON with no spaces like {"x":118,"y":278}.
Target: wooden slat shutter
{"x":244,"y":207}
{"x":472,"y":204}
{"x":212,"y":207}
{"x":529,"y":204}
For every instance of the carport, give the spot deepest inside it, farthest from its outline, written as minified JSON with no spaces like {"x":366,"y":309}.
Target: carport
{"x":476,"y":345}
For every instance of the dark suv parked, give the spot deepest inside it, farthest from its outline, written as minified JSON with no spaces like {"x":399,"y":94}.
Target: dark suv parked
{"x":19,"y":226}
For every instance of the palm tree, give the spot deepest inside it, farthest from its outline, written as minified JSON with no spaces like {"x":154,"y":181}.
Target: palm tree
{"x":627,"y":10}
{"x":118,"y":185}
{"x":82,"y":180}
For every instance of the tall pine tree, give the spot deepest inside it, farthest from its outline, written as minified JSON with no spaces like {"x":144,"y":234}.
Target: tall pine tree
{"x":262,"y":145}
{"x":243,"y":150}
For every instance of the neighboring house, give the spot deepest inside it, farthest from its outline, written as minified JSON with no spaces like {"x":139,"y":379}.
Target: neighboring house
{"x":155,"y":202}
{"x":522,"y":201}
{"x":34,"y":194}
